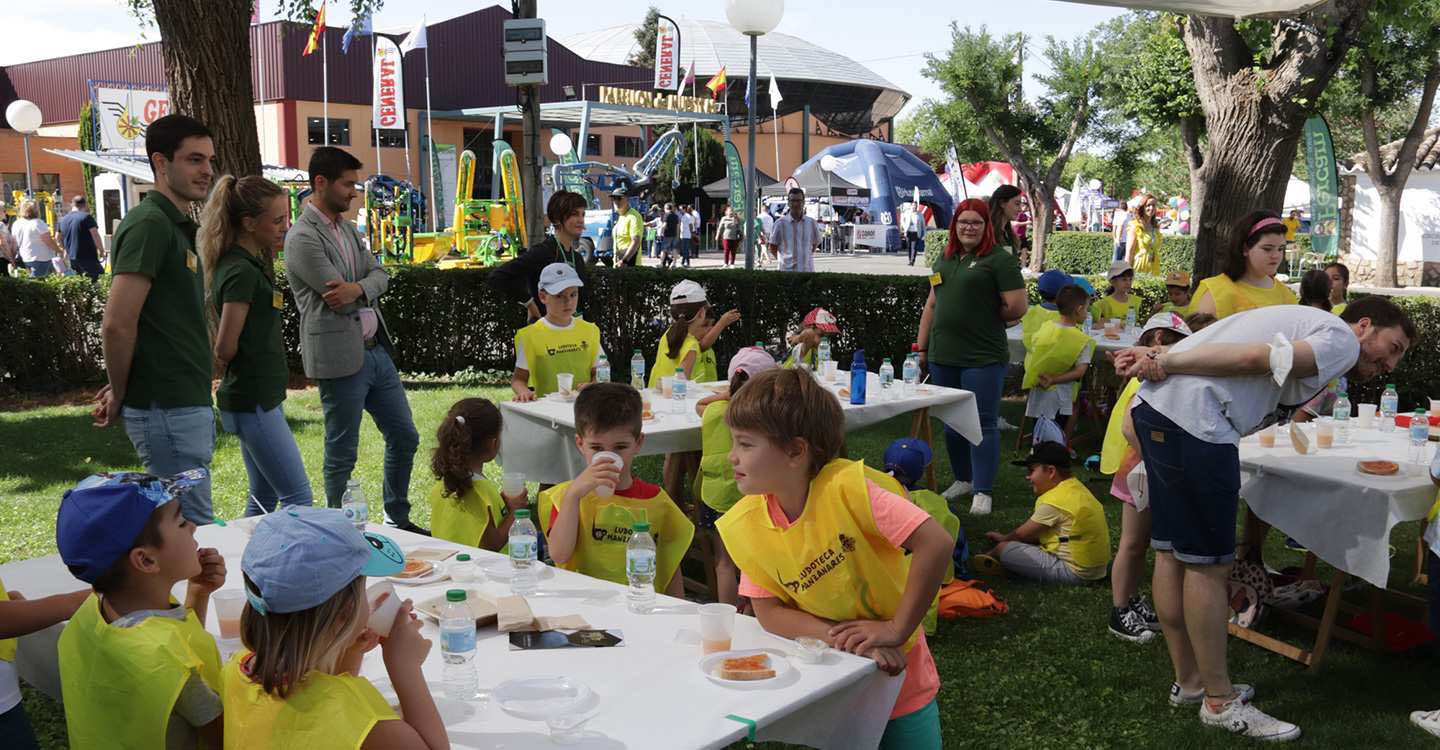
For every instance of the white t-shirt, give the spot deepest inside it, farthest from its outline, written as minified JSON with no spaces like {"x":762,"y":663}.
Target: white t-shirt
{"x":767,"y":223}
{"x":1224,"y":409}
{"x":28,"y":234}
{"x":687,"y":224}
{"x":523,"y":363}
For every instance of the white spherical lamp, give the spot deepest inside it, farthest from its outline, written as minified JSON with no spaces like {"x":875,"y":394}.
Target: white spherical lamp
{"x":754,"y":17}
{"x":23,"y":116}
{"x":829,"y":163}
{"x":560,"y":144}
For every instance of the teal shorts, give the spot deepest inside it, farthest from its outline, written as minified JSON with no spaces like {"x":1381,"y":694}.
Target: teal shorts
{"x":919,"y":730}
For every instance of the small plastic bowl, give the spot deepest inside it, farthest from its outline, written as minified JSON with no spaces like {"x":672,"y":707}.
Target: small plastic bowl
{"x":810,"y":650}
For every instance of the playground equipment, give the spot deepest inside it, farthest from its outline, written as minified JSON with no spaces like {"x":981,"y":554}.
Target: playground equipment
{"x":393,"y":210}
{"x":636,"y":182}
{"x":46,"y":202}
{"x":481,"y":232}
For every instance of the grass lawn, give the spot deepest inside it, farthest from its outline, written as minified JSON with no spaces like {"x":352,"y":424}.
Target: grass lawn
{"x":1047,"y":675}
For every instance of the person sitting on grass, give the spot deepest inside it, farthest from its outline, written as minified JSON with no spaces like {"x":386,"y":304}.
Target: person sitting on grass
{"x":558,"y":343}
{"x":1048,"y":285}
{"x":1058,"y":358}
{"x":465,"y":507}
{"x":1177,"y":286}
{"x":1118,"y":301}
{"x":588,"y":520}
{"x":1066,"y":540}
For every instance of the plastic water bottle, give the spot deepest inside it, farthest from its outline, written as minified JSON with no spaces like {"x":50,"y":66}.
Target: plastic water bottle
{"x":1342,"y":419}
{"x":857,"y":378}
{"x":1419,"y":436}
{"x":353,"y":504}
{"x":602,"y":370}
{"x":677,"y":395}
{"x":823,"y":354}
{"x":1389,"y":407}
{"x":457,"y":646}
{"x":887,"y":378}
{"x":522,"y":554}
{"x":1089,"y":322}
{"x":637,"y":371}
{"x":1129,"y":320}
{"x":640,"y":569}
{"x":911,"y":373}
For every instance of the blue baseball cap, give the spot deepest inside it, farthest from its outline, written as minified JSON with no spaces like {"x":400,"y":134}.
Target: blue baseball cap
{"x":1051,"y":282}
{"x":1083,"y":284}
{"x":299,"y":557}
{"x":102,"y":516}
{"x":906,"y":459}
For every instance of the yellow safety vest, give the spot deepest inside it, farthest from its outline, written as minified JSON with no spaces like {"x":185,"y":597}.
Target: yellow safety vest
{"x":717,"y":476}
{"x":549,"y":352}
{"x":707,"y":369}
{"x":1056,"y":350}
{"x":465,"y":518}
{"x":1112,"y":451}
{"x":939,"y":510}
{"x":1089,"y":536}
{"x":325,"y":712}
{"x":605,"y":528}
{"x":7,"y":646}
{"x":1231,"y":296}
{"x":120,"y":684}
{"x":1183,"y":312}
{"x":1108,"y":307}
{"x":832,"y":562}
{"x":1147,"y":248}
{"x":1035,"y":317}
{"x":1340,"y":308}
{"x":799,"y":358}
{"x":665,"y":365}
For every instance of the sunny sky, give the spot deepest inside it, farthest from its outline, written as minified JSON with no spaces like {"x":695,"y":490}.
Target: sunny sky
{"x":891,"y":42}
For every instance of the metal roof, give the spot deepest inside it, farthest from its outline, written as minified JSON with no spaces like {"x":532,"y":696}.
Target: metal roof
{"x":138,"y":168}
{"x":572,"y":112}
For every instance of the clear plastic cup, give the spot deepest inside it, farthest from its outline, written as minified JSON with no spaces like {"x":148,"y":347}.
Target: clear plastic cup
{"x":832,"y":371}
{"x":228,"y":606}
{"x":667,"y":387}
{"x":512,"y":483}
{"x":1325,"y":433}
{"x":565,"y":381}
{"x":606,"y":490}
{"x":1267,"y":437}
{"x":1366,"y":417}
{"x":382,"y":614}
{"x":1434,"y":408}
{"x":717,"y":626}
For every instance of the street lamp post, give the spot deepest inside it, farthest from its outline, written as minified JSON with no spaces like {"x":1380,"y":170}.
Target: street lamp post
{"x":24,"y":117}
{"x":753,"y":18}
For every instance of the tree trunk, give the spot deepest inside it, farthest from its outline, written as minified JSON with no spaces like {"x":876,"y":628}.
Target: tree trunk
{"x":1042,"y":214}
{"x":1388,"y":252}
{"x":1247,"y":168}
{"x":1190,"y":128}
{"x":204,"y":44}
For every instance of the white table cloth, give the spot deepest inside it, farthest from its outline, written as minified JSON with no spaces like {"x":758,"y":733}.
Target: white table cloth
{"x":1017,"y":345}
{"x":652,"y":694}
{"x":1326,"y":504}
{"x":538,"y":437}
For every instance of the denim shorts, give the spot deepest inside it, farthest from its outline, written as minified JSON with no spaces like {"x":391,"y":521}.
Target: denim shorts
{"x":1194,"y":490}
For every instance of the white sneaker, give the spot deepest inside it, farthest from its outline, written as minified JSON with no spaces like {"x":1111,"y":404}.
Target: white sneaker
{"x":1427,"y":720}
{"x":1178,"y":697}
{"x":980,"y":505}
{"x":1004,"y":426}
{"x":1246,"y":720}
{"x":957,"y":489}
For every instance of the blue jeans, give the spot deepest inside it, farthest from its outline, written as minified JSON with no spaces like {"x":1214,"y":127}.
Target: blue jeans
{"x":170,"y":441}
{"x":39,"y":269}
{"x":15,"y":728}
{"x":272,"y":459}
{"x":975,"y":463}
{"x":376,"y":388}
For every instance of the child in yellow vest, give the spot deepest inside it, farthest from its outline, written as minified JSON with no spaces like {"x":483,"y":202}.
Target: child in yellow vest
{"x":1177,"y":287}
{"x":588,"y":520}
{"x":557,"y":343}
{"x":1066,"y":540}
{"x":136,"y":667}
{"x":905,"y":460}
{"x":805,"y":344}
{"x":1048,"y":285}
{"x":1058,"y":357}
{"x":1118,"y":301}
{"x":465,"y":507}
{"x":20,"y":616}
{"x":706,"y":330}
{"x":679,"y":348}
{"x":718,"y":492}
{"x":821,"y":546}
{"x":306,"y":630}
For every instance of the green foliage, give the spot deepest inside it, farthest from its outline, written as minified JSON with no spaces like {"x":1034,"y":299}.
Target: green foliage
{"x":712,"y":166}
{"x":87,"y":143}
{"x":934,"y":126}
{"x":644,"y":54}
{"x":1091,"y":252}
{"x":1156,"y":87}
{"x":51,"y":330}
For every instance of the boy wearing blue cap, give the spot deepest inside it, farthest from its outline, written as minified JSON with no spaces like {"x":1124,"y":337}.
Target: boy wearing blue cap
{"x":1048,"y":285}
{"x":306,"y":630}
{"x":906,"y":459}
{"x":137,"y":668}
{"x":558,"y":343}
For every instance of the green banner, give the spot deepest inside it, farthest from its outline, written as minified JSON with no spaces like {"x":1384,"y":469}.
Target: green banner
{"x":737,"y":178}
{"x":1324,"y":187}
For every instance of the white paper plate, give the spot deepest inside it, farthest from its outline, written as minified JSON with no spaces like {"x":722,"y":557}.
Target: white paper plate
{"x":437,"y":573}
{"x":778,"y":661}
{"x":499,"y":570}
{"x":557,"y":396}
{"x":542,"y":698}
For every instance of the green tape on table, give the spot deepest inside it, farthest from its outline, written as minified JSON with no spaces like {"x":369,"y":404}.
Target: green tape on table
{"x":750,"y":737}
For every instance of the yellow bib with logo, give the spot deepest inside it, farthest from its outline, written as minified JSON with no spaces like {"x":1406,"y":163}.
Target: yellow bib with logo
{"x":707,"y":369}
{"x":1108,"y":307}
{"x":1056,"y":349}
{"x":465,"y":518}
{"x":1089,"y":537}
{"x":1231,"y":296}
{"x":605,"y":528}
{"x":665,"y":365}
{"x":325,"y":712}
{"x":1112,"y":452}
{"x":1035,"y":317}
{"x":549,"y":352}
{"x":717,"y":476}
{"x":9,"y":645}
{"x":832,"y":562}
{"x":120,"y":684}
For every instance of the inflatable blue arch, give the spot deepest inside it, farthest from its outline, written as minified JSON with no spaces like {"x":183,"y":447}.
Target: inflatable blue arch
{"x":892,"y":173}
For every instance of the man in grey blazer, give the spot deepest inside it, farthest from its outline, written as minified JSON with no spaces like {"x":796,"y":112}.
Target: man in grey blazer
{"x":344,"y":343}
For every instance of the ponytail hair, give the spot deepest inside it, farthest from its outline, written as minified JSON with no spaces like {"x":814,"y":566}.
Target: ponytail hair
{"x":467,"y":429}
{"x":230,"y":202}
{"x":680,"y":318}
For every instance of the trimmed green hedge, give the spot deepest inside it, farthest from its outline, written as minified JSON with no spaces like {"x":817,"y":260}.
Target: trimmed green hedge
{"x":50,"y":333}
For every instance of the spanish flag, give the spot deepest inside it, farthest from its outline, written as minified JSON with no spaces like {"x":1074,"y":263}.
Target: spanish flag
{"x":717,"y":83}
{"x":317,"y":33}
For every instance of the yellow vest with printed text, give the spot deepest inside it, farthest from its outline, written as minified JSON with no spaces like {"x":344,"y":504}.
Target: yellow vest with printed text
{"x":832,"y":562}
{"x":605,"y":528}
{"x":325,"y":712}
{"x":549,"y":352}
{"x":121,"y":684}
{"x":1231,"y":296}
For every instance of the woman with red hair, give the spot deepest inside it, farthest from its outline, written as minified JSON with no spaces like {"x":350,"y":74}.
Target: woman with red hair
{"x":975,"y":291}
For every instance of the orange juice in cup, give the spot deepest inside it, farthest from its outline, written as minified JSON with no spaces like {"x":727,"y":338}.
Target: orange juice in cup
{"x":1325,"y":433}
{"x":1267,"y":437}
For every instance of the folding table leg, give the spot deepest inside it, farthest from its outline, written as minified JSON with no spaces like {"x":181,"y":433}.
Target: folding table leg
{"x":920,"y":428}
{"x":1327,"y":620}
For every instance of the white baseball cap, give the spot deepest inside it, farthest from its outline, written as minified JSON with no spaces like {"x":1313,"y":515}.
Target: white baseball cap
{"x":1167,"y":321}
{"x":687,"y":292}
{"x":557,"y":277}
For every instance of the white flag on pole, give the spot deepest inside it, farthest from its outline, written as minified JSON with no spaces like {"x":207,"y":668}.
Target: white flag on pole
{"x":415,"y":39}
{"x":774,"y":92}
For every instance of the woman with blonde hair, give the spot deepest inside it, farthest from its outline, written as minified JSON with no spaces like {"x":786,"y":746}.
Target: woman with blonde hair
{"x":37,"y":249}
{"x":1142,"y":247}
{"x":243,"y":224}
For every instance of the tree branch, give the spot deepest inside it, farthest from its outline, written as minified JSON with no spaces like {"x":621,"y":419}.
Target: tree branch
{"x":1410,"y":146}
{"x":1057,"y":165}
{"x":1190,"y":140}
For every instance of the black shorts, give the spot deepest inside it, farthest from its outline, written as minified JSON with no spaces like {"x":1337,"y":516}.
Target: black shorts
{"x":1194,"y":490}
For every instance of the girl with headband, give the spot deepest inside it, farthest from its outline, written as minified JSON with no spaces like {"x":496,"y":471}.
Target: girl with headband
{"x":1247,"y":280}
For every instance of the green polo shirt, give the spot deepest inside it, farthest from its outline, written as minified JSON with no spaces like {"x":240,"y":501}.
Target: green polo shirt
{"x":967,"y":330}
{"x":171,"y":367}
{"x":258,"y":373}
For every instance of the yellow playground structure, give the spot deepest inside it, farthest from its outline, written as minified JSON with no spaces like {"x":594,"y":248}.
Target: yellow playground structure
{"x":482,"y":232}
